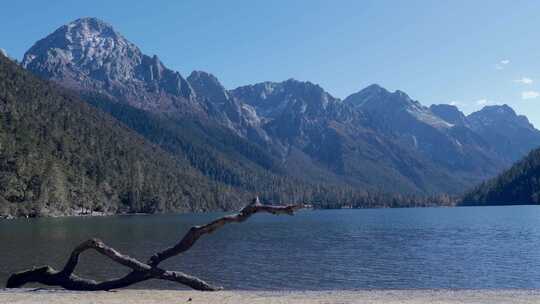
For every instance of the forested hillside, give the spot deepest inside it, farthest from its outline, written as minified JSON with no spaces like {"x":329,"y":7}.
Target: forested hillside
{"x":215,"y":151}
{"x":518,"y":185}
{"x":58,"y":155}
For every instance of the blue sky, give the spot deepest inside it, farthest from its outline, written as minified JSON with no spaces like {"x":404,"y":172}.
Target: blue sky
{"x":470,"y":53}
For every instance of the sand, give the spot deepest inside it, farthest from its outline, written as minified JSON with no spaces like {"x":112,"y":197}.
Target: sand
{"x":21,"y":296}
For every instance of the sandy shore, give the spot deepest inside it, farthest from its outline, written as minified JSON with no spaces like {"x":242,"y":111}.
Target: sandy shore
{"x":253,"y":297}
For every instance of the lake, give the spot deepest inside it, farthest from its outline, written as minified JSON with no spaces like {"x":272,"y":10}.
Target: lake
{"x":472,"y":247}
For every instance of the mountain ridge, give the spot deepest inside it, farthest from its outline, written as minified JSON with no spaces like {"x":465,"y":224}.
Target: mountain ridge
{"x":371,"y":139}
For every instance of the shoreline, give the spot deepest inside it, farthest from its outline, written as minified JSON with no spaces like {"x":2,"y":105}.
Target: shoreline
{"x":374,"y":296}
{"x":9,"y":217}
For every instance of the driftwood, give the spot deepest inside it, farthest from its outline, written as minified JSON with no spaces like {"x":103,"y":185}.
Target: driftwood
{"x":139,"y":271}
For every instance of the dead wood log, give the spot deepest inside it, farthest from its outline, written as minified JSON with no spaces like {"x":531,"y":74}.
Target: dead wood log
{"x":140,"y":271}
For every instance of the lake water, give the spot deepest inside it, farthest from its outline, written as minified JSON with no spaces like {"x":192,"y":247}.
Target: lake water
{"x":474,"y":247}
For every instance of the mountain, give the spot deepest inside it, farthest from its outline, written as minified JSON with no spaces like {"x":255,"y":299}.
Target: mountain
{"x":89,"y":55}
{"x":326,"y":140}
{"x":512,"y":135}
{"x":276,"y":137}
{"x":391,"y":112}
{"x":59,"y":156}
{"x":518,"y":185}
{"x":436,"y":133}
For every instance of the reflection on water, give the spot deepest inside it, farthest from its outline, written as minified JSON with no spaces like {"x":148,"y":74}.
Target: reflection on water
{"x":484,"y":247}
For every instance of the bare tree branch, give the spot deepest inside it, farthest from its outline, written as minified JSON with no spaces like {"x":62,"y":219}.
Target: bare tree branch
{"x":197,"y":231}
{"x":139,"y":271}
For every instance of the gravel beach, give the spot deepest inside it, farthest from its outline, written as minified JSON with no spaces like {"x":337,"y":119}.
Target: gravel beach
{"x":23,"y":296}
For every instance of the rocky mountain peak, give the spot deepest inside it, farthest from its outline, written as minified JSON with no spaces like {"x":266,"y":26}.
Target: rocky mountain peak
{"x":372,"y":92}
{"x":89,"y":28}
{"x":205,"y":77}
{"x":377,"y":97}
{"x":500,"y":110}
{"x":89,"y":55}
{"x":385,"y":105}
{"x":449,"y":113}
{"x":302,"y":84}
{"x":499,"y":115}
{"x":291,"y":96}
{"x":512,"y":134}
{"x":84,"y":46}
{"x":207,"y":85}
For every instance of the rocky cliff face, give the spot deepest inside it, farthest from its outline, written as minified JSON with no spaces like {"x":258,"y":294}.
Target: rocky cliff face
{"x":88,"y":54}
{"x":226,"y":109}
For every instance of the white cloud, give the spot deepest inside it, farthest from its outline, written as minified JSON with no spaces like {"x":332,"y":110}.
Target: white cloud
{"x":500,"y":65}
{"x":3,"y":52}
{"x":482,"y":102}
{"x":485,"y":102}
{"x":524,"y":80}
{"x":455,"y":103}
{"x":529,"y":94}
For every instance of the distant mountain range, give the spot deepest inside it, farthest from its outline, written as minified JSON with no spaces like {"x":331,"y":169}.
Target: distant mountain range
{"x":267,"y":137}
